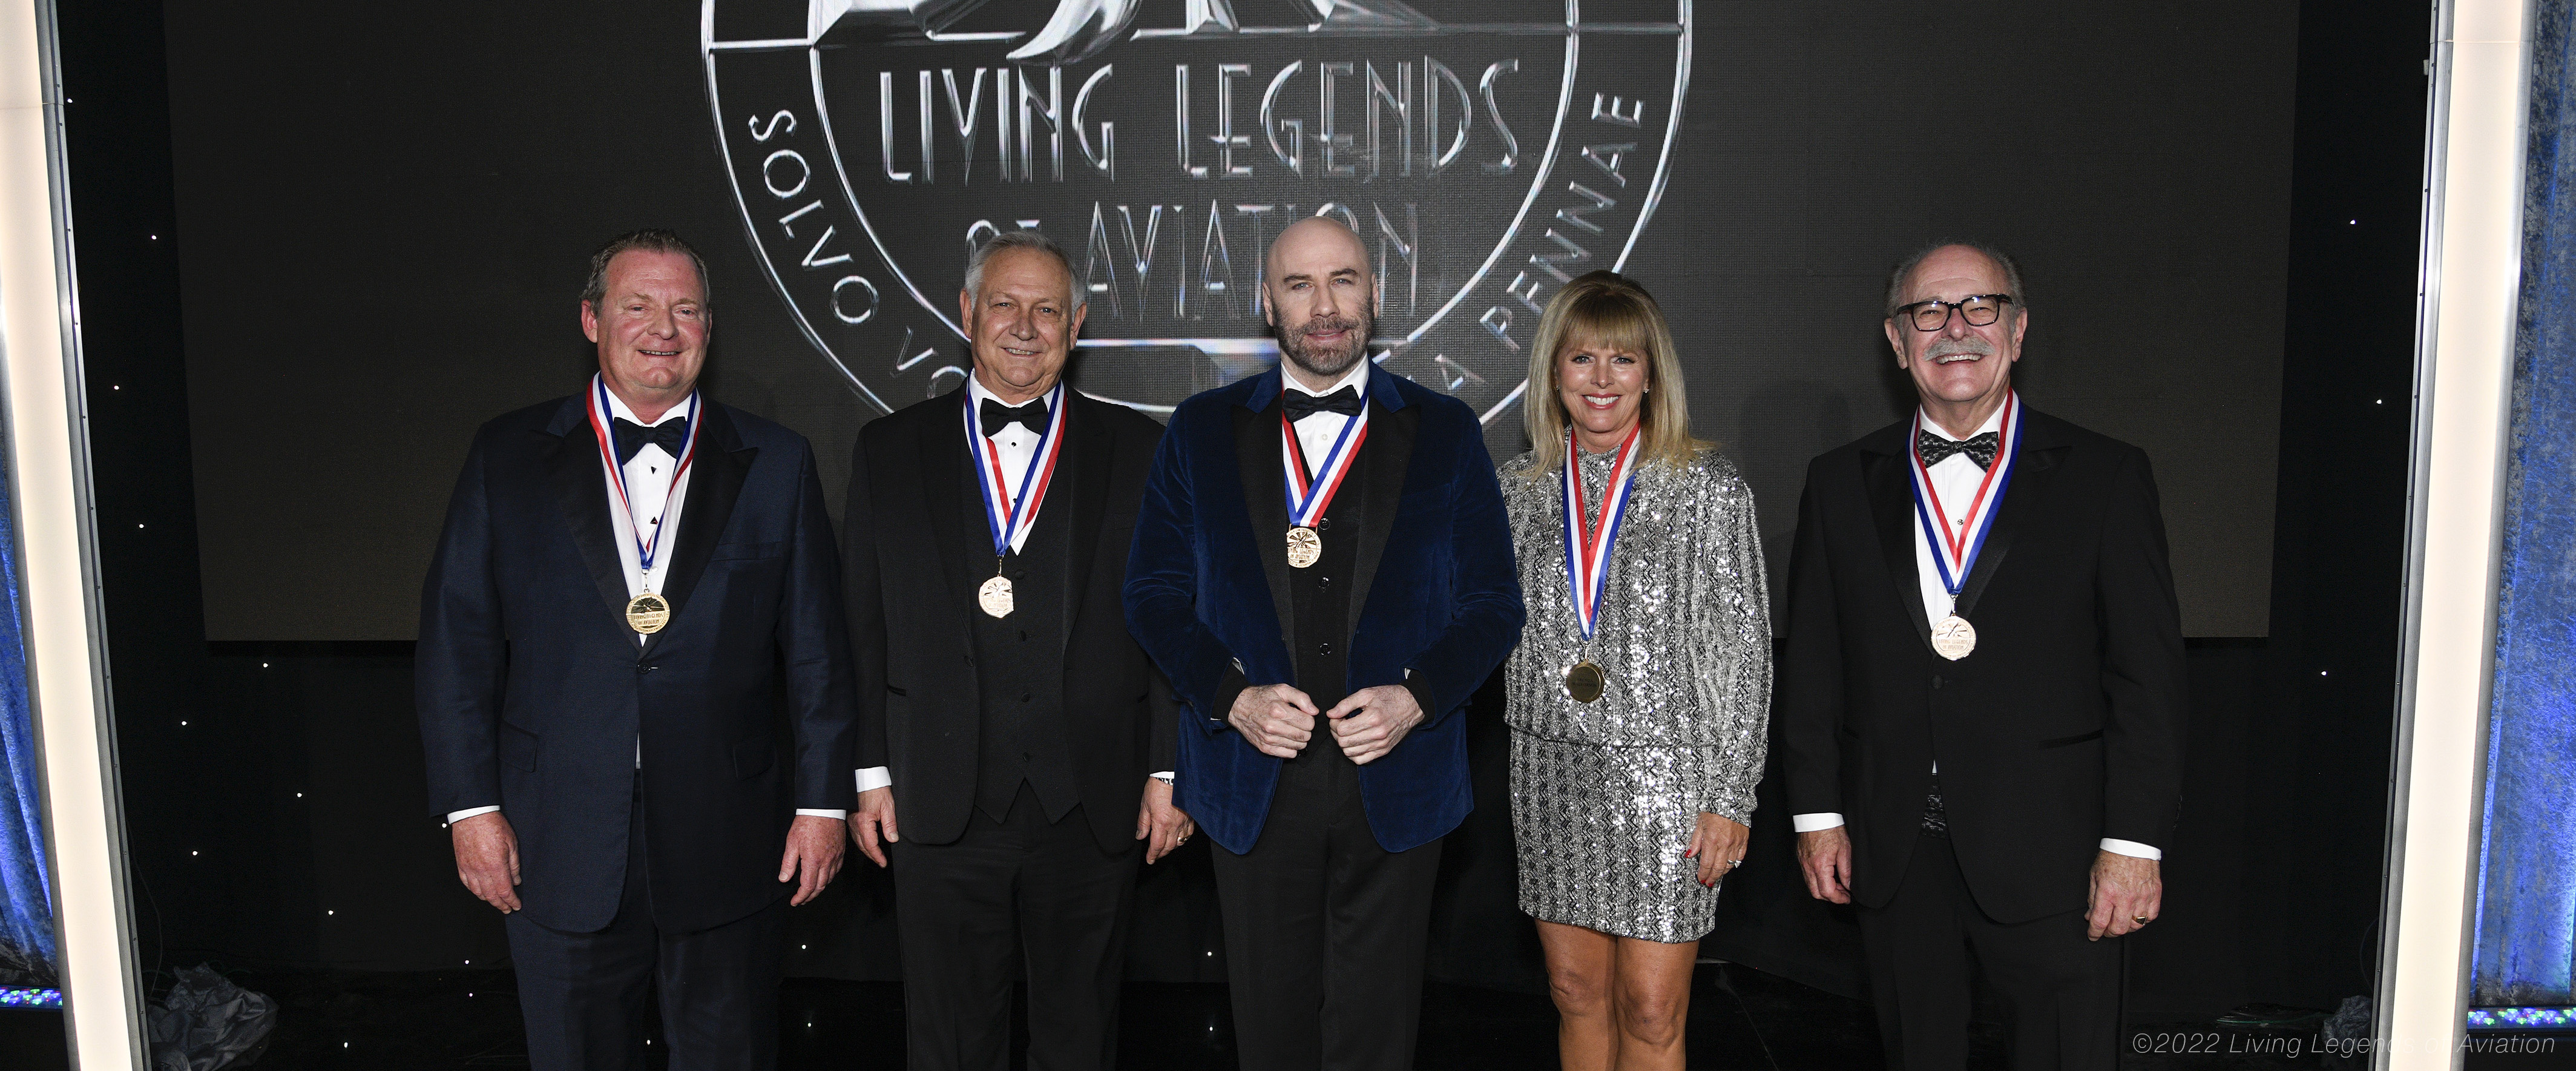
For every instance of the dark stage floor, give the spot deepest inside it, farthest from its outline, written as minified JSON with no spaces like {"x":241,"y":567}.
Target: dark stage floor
{"x":1740,"y":1019}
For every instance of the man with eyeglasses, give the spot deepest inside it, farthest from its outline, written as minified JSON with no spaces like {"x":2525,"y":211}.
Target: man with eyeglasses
{"x":1982,"y":699}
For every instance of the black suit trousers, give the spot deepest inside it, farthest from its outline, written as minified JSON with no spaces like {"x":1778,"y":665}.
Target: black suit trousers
{"x":583,"y":994}
{"x":1324,"y":928}
{"x":2060,"y":991}
{"x":1019,"y":892}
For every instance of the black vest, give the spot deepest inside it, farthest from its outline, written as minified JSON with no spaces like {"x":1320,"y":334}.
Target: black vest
{"x":1019,"y":664}
{"x":1319,"y":596}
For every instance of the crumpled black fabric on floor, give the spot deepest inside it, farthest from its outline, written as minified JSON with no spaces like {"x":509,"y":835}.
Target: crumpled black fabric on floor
{"x":205,"y":1023}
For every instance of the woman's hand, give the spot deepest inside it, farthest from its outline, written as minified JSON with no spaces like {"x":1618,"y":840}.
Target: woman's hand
{"x":1718,"y":844}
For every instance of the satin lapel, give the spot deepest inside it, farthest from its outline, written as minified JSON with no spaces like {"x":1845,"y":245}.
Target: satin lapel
{"x":945,"y":478}
{"x":581,"y":488}
{"x":1265,"y":497}
{"x":715,"y":483}
{"x":1387,"y":460}
{"x":1891,"y":501}
{"x":2031,"y":479}
{"x":1082,"y":472}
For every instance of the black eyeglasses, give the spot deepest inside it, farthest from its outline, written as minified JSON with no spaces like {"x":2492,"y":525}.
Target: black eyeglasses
{"x":1933,"y":315}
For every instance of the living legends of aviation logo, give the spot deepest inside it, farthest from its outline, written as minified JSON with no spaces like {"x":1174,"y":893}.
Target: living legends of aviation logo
{"x":1485,"y":150}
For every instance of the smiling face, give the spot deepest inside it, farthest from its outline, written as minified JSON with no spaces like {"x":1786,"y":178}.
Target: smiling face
{"x":1023,"y":323}
{"x":1319,"y":293}
{"x":1959,"y":365}
{"x":651,"y":328}
{"x":1603,"y":388}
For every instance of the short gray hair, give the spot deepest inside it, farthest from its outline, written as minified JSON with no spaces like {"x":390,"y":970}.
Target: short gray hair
{"x":1002,"y":240}
{"x":649,"y":240}
{"x":1905,"y":268}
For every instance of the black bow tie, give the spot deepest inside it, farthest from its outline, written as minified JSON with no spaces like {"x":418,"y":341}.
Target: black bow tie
{"x":997,"y":416}
{"x":631,"y":437}
{"x":1935,"y":449}
{"x":1301,"y":405}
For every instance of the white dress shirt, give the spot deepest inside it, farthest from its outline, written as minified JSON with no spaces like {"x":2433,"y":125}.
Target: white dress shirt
{"x":1017,"y":444}
{"x":653,"y":500}
{"x":1955,"y":480}
{"x":1315,"y":433}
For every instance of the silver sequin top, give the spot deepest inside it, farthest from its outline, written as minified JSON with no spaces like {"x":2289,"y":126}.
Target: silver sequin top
{"x":1684,"y":634}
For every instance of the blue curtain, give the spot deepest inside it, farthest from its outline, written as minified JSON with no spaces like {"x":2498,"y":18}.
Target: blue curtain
{"x":27,"y":913}
{"x":2526,"y":925}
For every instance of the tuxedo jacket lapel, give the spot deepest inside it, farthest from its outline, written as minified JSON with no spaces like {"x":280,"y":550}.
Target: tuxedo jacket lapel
{"x":1257,"y":449}
{"x":2041,"y":447}
{"x":1386,"y":460}
{"x":1082,"y":476}
{"x":715,"y":482}
{"x":944,"y":479}
{"x":1891,"y":503}
{"x":581,"y":489}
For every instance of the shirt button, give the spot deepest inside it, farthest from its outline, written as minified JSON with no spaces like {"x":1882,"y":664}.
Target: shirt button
{"x":1024,"y":697}
{"x":1323,"y":524}
{"x":1936,"y":680}
{"x":1323,"y":581}
{"x":1323,"y":648}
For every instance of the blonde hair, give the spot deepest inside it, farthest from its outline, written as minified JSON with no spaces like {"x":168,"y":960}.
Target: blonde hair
{"x":1604,"y":308}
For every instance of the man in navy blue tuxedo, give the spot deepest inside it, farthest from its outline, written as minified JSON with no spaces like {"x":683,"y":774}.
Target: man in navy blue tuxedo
{"x":1323,"y":569}
{"x":634,"y":688}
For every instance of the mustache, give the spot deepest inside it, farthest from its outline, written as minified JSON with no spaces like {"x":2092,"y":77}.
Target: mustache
{"x":1329,"y":323}
{"x":1950,"y":347}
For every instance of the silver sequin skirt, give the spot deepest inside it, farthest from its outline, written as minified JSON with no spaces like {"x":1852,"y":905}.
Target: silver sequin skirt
{"x":1601,"y":833}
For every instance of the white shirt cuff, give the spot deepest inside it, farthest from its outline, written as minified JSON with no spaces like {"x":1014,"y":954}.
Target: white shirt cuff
{"x":1161,"y":775}
{"x":454,"y":817}
{"x":875,"y":777}
{"x":1809,"y":823}
{"x":837,"y":816}
{"x":2116,"y":846}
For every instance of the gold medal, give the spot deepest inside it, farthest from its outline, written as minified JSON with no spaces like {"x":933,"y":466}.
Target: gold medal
{"x":1954,"y":637}
{"x":647,"y":613}
{"x":1585,"y":681}
{"x":995,"y":596}
{"x":1305,"y":548}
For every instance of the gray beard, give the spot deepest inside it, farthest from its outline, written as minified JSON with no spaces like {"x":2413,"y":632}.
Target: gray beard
{"x":1329,"y":363}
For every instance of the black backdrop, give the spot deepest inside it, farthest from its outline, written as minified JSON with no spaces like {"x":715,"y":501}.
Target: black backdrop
{"x":272,"y":788}
{"x":387,"y":216}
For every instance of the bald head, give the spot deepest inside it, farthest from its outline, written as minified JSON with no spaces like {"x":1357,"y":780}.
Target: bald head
{"x":1320,"y":298}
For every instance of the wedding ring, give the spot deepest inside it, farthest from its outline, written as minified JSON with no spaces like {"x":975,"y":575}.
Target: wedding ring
{"x":2139,"y":919}
{"x":1735,"y":862}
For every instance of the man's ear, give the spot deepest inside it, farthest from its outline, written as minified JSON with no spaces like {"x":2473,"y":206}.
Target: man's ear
{"x":966,"y":314}
{"x":1894,"y":342}
{"x":590,"y":321}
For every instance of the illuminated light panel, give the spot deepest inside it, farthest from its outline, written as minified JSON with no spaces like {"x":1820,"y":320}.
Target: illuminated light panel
{"x":2527,"y":1018}
{"x":31,"y":998}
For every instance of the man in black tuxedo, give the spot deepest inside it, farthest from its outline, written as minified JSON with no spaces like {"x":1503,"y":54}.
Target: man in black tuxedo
{"x":1015,"y":746}
{"x":634,"y":688}
{"x":1982,"y":700}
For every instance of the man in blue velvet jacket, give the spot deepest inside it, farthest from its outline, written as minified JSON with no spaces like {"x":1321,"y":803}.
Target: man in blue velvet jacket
{"x":1323,"y":569}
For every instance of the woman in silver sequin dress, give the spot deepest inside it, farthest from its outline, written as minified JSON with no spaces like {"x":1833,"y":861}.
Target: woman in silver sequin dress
{"x":1631,"y":807}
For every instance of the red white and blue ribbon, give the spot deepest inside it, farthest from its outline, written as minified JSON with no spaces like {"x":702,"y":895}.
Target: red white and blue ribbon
{"x":1955,"y":546}
{"x":1009,"y":518}
{"x":646,"y":546}
{"x":1587,"y":547}
{"x":1308,"y":496}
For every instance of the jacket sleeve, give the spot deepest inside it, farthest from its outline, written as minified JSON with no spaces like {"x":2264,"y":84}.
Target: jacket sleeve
{"x":862,"y":595}
{"x":1732,"y":654}
{"x":2143,"y":669}
{"x":463,"y":656}
{"x":813,"y":638}
{"x":1163,"y":585}
{"x":1485,"y":623}
{"x":1808,"y":700}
